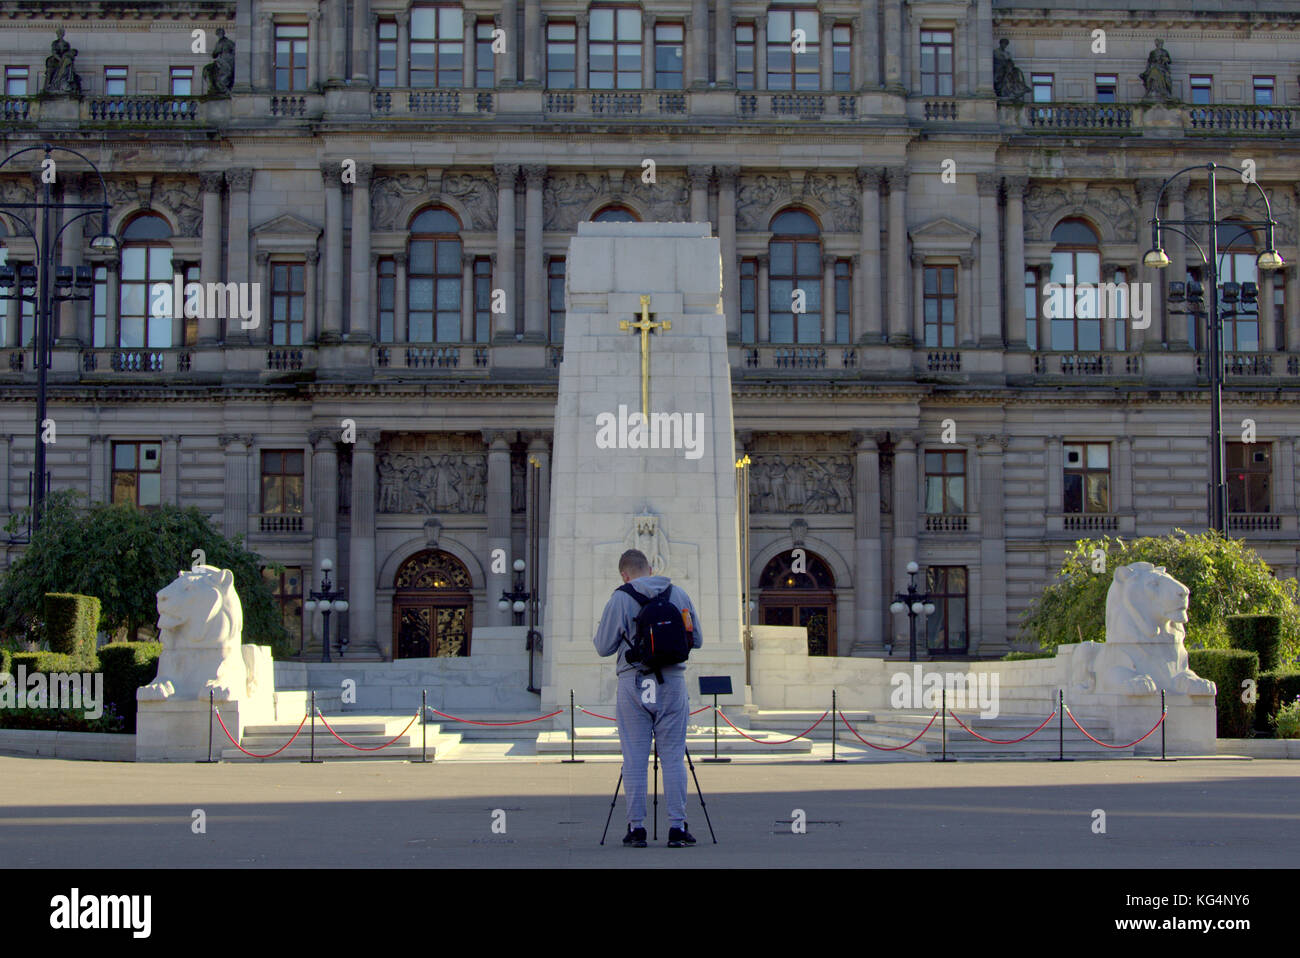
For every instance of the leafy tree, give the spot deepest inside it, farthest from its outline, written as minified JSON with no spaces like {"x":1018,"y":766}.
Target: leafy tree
{"x":1224,"y":576}
{"x":124,"y":556}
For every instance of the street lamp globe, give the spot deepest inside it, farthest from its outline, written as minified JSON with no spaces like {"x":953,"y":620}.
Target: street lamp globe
{"x":503,"y":606}
{"x":929,"y":608}
{"x":1270,"y":259}
{"x":519,"y":605}
{"x":519,"y":565}
{"x":326,"y":605}
{"x":1155,"y":258}
{"x":310,"y":605}
{"x":913,"y":568}
{"x":104,"y":243}
{"x":326,"y":565}
{"x":341,"y":605}
{"x":918,"y":608}
{"x":897,"y":608}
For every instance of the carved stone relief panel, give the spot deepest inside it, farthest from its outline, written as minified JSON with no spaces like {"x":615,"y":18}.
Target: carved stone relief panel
{"x":428,"y":474}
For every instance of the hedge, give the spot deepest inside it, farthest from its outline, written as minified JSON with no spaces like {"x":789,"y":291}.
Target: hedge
{"x":1022,"y":656}
{"x":1228,"y":669}
{"x":59,"y":720}
{"x":43,"y":662}
{"x":71,"y":623}
{"x":126,"y":667}
{"x":1261,"y":634}
{"x":6,"y":663}
{"x":1276,"y":688}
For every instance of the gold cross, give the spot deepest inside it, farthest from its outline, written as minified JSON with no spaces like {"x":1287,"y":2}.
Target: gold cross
{"x":644,"y":327}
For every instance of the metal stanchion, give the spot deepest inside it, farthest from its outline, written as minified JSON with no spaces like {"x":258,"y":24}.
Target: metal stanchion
{"x":1164,"y":714}
{"x":313,"y":760}
{"x":573,"y":736}
{"x":715,"y":758}
{"x":212,"y":707}
{"x":943,"y":692}
{"x":834,"y":732}
{"x":424,"y":729}
{"x":1060,"y":728}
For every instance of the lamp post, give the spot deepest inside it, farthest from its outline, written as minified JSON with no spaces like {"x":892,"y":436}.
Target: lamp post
{"x":915,"y":603}
{"x":516,"y":601}
{"x":43,"y":284}
{"x":746,"y":604}
{"x":1269,"y":259}
{"x":327,"y":599}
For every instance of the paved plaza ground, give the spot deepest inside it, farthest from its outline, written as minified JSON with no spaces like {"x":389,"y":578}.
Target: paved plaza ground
{"x":1191,"y":813}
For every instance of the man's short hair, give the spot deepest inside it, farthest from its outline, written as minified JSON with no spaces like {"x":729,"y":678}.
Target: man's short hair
{"x":634,"y":564}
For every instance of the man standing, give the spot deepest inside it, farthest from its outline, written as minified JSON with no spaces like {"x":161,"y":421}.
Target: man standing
{"x":645,"y":704}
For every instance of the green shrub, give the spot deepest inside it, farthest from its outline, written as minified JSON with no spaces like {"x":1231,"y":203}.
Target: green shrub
{"x":71,"y":622}
{"x":1228,"y":669}
{"x":1275,"y":689}
{"x":1286,"y":724}
{"x":126,"y":667}
{"x":1022,"y":656}
{"x":6,"y":661}
{"x":60,"y":720}
{"x":44,"y":662}
{"x":1261,"y":634}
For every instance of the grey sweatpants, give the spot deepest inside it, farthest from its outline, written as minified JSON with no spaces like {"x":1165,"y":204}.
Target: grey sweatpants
{"x":665,"y":714}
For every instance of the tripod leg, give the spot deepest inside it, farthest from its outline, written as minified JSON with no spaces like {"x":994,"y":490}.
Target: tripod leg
{"x":701,"y":794}
{"x":612,"y":801}
{"x":656,"y":791}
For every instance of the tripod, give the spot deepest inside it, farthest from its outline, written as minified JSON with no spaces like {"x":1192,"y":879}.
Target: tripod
{"x":619,"y":786}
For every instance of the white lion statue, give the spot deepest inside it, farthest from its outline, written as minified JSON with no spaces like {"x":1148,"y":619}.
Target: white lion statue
{"x":1146,"y":609}
{"x":200,"y":624}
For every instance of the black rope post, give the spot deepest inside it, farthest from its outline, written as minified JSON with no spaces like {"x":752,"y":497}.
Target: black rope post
{"x":1060,"y":728}
{"x":716,"y":759}
{"x":1164,"y":720}
{"x":212,"y":708}
{"x":943,"y":694}
{"x":424,"y":729}
{"x":313,"y":760}
{"x":573,"y":737}
{"x":834,"y":733}
{"x":656,"y":834}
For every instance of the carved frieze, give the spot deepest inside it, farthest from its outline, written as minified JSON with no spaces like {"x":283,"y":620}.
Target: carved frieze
{"x":1111,"y":206}
{"x":391,"y":194}
{"x":568,"y":198}
{"x":429,"y":475}
{"x":801,"y":484}
{"x":837,"y":194}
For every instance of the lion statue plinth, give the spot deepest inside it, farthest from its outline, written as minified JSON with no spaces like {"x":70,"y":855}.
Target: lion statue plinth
{"x":1144,"y":651}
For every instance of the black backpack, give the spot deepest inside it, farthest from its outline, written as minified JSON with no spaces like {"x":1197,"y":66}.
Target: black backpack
{"x":662,"y":637}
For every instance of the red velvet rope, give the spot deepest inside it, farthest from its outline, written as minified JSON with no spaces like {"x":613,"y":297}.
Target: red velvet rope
{"x":366,"y":748}
{"x":254,"y":754}
{"x":889,"y":748}
{"x":995,"y":741}
{"x":495,"y":724}
{"x":787,"y":741}
{"x":1163,"y":716}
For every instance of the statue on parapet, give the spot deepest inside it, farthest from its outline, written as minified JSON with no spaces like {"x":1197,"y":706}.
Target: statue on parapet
{"x":1157,"y":78}
{"x":60,"y":68}
{"x":219,"y":75}
{"x":1008,"y":79}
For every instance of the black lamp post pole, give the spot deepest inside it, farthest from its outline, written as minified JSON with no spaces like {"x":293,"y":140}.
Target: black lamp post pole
{"x":1218,"y":482}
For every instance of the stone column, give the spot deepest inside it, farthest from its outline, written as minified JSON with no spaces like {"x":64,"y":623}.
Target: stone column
{"x":727,"y":176}
{"x":1044,"y":274}
{"x":361,"y":544}
{"x":827,"y":59}
{"x":897,"y":179}
{"x":533,"y":40}
{"x":1267,"y":326}
{"x":907,"y":488}
{"x":65,"y":327}
{"x":399,"y":296}
{"x":699,"y":44}
{"x":210,"y":259}
{"x":359,"y":325}
{"x":1123,"y":503}
{"x":314,"y":77}
{"x":361,"y":42}
{"x":332,"y":320}
{"x":498,"y":521}
{"x":918,"y":299}
{"x":868,"y":325}
{"x":264,"y":57}
{"x":507,"y":64}
{"x":866,"y":29}
{"x":97,"y":480}
{"x":724,"y":46}
{"x":171,"y":469}
{"x":1015,"y":261}
{"x":1292,"y":344}
{"x":580,"y":81}
{"x":648,"y":50}
{"x":992,"y":598}
{"x":868,"y":593}
{"x":337,"y":13}
{"x":893,"y":44}
{"x":1055,"y":487}
{"x":236,"y":510}
{"x":1286,"y":475}
{"x":828,"y":299}
{"x":324,"y":509}
{"x":240,"y":181}
{"x":764,"y":307}
{"x":504,"y":278}
{"x":990,"y":286}
{"x":1148,"y":189}
{"x":113,"y":313}
{"x":966,"y":302}
{"x":469,"y":78}
{"x":760,"y":51}
{"x":467,"y":298}
{"x":1108,"y":340}
{"x":263,"y":333}
{"x":984,"y":66}
{"x":699,"y":177}
{"x":310,"y":319}
{"x":403,"y":49}
{"x":1175,"y":327}
{"x":534,"y":267}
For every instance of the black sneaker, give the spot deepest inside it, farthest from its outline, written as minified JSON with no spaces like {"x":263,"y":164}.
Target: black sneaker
{"x":635,"y":838}
{"x":680,"y":837}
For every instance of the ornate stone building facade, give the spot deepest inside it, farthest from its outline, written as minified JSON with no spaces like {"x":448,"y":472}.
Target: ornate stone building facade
{"x":401,"y":181}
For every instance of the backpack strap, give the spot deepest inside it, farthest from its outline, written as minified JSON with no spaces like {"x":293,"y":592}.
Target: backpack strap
{"x":626,"y":589}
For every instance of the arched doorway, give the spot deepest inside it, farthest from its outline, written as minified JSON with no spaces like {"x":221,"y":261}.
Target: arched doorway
{"x":805,"y":597}
{"x":432,"y":607}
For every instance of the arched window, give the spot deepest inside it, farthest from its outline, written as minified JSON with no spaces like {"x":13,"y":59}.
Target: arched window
{"x":796,"y":264}
{"x":1076,"y":259}
{"x":1237,"y":265}
{"x":146,"y":260}
{"x":433,"y":281}
{"x":616,"y":214}
{"x":432,"y":607}
{"x":805,"y":597}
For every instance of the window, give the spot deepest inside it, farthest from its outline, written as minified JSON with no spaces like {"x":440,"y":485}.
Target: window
{"x":555,"y":298}
{"x":1263,"y":91}
{"x":146,"y":261}
{"x":291,"y":56}
{"x":182,"y":81}
{"x":1031,"y":308}
{"x":1249,"y":466}
{"x":386,"y":40}
{"x":945,"y":482}
{"x":842,"y":57}
{"x":744,"y":56}
{"x":386,"y":293}
{"x":946,"y":630}
{"x":482,"y":299}
{"x":1042,"y":85}
{"x":485,"y":75}
{"x":1237,"y":265}
{"x":190,"y":324}
{"x":843,"y":299}
{"x":748,"y":301}
{"x":1076,"y":259}
{"x":614,"y":48}
{"x":1201,"y":86}
{"x":27,"y":321}
{"x":286,"y":588}
{"x":282,"y":481}
{"x":288,"y":297}
{"x":437,"y":46}
{"x":114,"y":81}
{"x":137,"y":475}
{"x":941,"y":306}
{"x":1107,"y":85}
{"x":1087,"y":477}
{"x":434,"y":278}
{"x":936,"y":63}
{"x":561,"y":55}
{"x":669,"y":40}
{"x":616,"y":214}
{"x":15,"y":81}
{"x":1279,"y":316}
{"x":787,"y":70}
{"x":796,"y":256}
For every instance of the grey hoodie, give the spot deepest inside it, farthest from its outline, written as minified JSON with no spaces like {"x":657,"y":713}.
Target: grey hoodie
{"x":619,"y":620}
